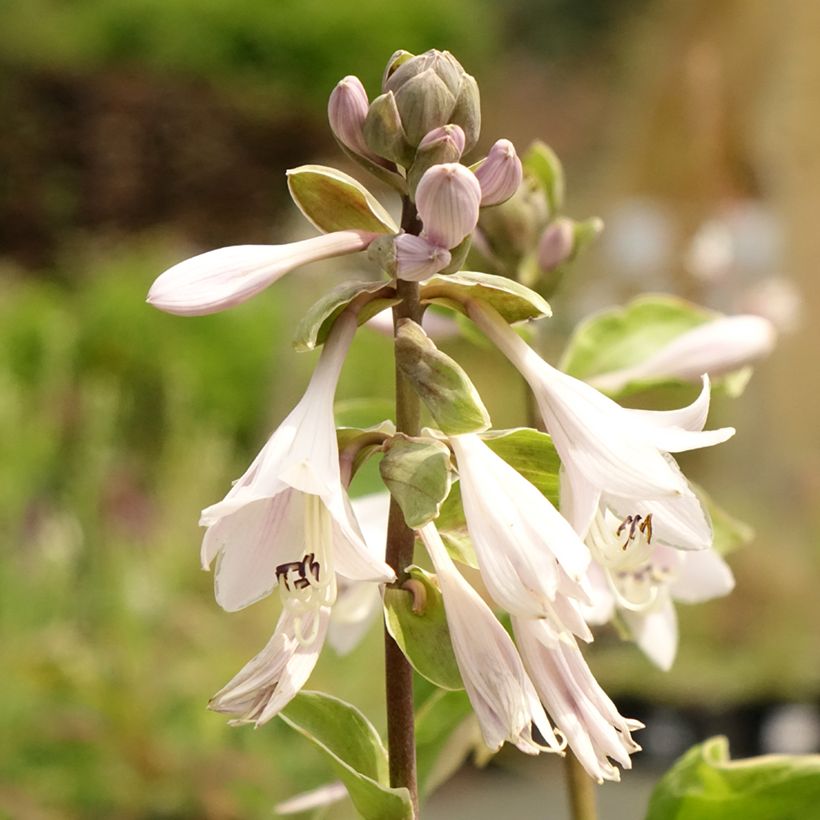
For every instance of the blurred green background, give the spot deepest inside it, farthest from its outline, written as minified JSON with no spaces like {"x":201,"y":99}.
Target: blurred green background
{"x":134,"y":133}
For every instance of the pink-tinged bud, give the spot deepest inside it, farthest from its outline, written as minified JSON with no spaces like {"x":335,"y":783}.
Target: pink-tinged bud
{"x":346,"y":111}
{"x":418,"y":259}
{"x":556,"y":244}
{"x":449,"y":137}
{"x":447,"y":199}
{"x":499,"y":174}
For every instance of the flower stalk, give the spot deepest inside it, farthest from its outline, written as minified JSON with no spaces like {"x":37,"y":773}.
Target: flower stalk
{"x":399,"y":555}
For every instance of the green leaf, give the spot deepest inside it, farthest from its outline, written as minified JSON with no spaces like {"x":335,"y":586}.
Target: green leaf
{"x":334,"y":201}
{"x":622,"y":337}
{"x":417,"y":473}
{"x":452,"y":527}
{"x":355,"y":750}
{"x":542,"y":163}
{"x":531,"y":453}
{"x":511,"y":299}
{"x":440,"y":382}
{"x":706,"y":785}
{"x":317,"y":322}
{"x":423,"y":635}
{"x":446,"y":732}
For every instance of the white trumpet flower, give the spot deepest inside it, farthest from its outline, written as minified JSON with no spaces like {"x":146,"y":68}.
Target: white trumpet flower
{"x":605,"y":448}
{"x":582,"y":711}
{"x":503,"y":697}
{"x":526,"y":550}
{"x":225,"y":277}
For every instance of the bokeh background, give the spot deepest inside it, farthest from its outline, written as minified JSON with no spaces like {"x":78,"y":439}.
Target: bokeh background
{"x":134,"y":133}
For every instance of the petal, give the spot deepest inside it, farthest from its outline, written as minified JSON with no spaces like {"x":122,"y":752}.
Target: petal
{"x":268,"y":682}
{"x":251,"y":543}
{"x":701,"y":577}
{"x":502,"y":695}
{"x":220,"y":279}
{"x":656,"y":631}
{"x":418,"y":259}
{"x":602,"y":607}
{"x":355,"y":609}
{"x":579,"y":499}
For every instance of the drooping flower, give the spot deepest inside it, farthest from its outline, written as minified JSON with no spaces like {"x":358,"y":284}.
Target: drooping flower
{"x":582,"y":711}
{"x":717,"y":347}
{"x":288,"y":523}
{"x":605,"y":448}
{"x":225,"y":277}
{"x":527,"y":552}
{"x":500,"y":691}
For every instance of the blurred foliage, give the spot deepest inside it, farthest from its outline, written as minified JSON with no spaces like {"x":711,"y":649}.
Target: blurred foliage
{"x":275,"y":44}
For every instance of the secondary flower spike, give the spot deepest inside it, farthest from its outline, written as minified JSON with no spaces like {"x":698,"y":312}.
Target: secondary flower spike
{"x":225,"y":277}
{"x":447,"y":199}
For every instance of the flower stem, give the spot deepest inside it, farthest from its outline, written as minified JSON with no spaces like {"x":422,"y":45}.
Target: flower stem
{"x":401,"y":742}
{"x":581,"y":788}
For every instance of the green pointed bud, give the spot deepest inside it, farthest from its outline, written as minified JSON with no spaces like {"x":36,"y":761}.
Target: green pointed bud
{"x":424,"y":103}
{"x":384,"y":133}
{"x":440,"y":382}
{"x":512,"y":228}
{"x":417,"y":471}
{"x":443,"y":144}
{"x":467,"y":111}
{"x":333,"y":201}
{"x":542,"y":164}
{"x":586,"y":233}
{"x":397,"y":59}
{"x":421,"y":631}
{"x":382,"y":253}
{"x":441,"y":63}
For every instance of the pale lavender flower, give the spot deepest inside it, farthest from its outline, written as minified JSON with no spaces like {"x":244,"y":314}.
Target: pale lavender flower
{"x":346,"y":112}
{"x":716,"y":347}
{"x":225,"y":277}
{"x":447,"y":200}
{"x":581,"y":710}
{"x":499,"y":174}
{"x":450,"y":135}
{"x":500,"y":691}
{"x":556,"y":244}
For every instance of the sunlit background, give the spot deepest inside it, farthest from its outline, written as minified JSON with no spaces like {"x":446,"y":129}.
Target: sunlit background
{"x":134,"y":133}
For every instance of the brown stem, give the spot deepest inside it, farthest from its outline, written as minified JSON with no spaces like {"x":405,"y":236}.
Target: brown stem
{"x":401,"y":539}
{"x":581,"y":789}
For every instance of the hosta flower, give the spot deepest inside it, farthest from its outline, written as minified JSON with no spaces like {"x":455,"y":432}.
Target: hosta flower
{"x":220,"y":279}
{"x":448,"y":198}
{"x":526,"y":550}
{"x":605,"y":448}
{"x":499,"y":174}
{"x":715,"y":347}
{"x":502,"y":694}
{"x":346,"y":112}
{"x":418,"y":259}
{"x":641,"y":578}
{"x":287,"y":522}
{"x":582,"y":711}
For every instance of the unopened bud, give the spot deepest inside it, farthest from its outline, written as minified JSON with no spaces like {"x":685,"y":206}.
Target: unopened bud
{"x":346,"y":111}
{"x":447,"y":200}
{"x":441,"y":63}
{"x":443,"y":144}
{"x":424,"y":102}
{"x":499,"y":174}
{"x":556,"y":244}
{"x":418,"y":259}
{"x":383,"y":131}
{"x":467,"y":111}
{"x":397,"y":59}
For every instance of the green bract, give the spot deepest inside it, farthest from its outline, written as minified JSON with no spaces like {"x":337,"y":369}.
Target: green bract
{"x":423,"y":635}
{"x":417,"y":473}
{"x":440,"y":382}
{"x":541,"y":163}
{"x":706,"y":785}
{"x":333,"y":201}
{"x":512,"y":300}
{"x":317,"y":322}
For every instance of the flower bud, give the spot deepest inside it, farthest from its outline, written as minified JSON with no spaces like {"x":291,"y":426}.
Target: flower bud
{"x":447,"y":200}
{"x":424,"y":103}
{"x":397,"y":59}
{"x":383,"y":131}
{"x":418,"y":259}
{"x":346,"y":111}
{"x":467,"y":111}
{"x":441,"y":63}
{"x":443,"y":144}
{"x":556,"y":244}
{"x":499,"y":174}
